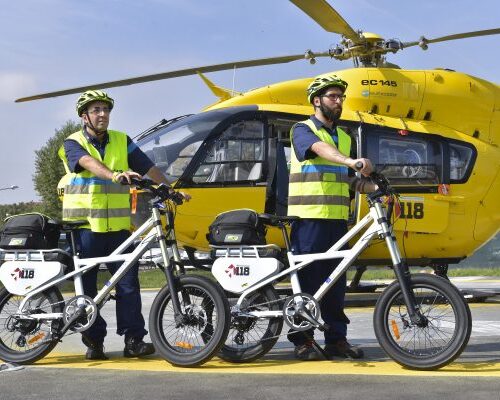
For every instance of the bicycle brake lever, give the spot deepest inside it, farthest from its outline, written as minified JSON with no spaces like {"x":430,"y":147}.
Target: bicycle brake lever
{"x":177,"y":198}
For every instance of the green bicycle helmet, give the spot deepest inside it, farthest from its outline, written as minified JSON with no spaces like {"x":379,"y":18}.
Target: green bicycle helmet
{"x":90,"y":96}
{"x":324,"y":82}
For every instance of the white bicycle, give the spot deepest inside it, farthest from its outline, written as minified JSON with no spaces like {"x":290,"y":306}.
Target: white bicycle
{"x":188,"y":321}
{"x":420,"y":320}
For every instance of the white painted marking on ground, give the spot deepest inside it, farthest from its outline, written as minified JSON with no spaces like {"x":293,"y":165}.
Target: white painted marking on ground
{"x":485,"y":328}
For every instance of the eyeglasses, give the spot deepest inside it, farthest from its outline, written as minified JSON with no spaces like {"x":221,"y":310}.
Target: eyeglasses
{"x":98,"y":110}
{"x":335,"y":97}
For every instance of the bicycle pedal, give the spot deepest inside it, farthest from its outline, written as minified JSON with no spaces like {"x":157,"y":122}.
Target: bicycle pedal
{"x":323,"y":327}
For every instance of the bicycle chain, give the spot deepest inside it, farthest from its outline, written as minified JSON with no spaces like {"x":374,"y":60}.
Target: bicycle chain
{"x":267,"y":303}
{"x":69,"y":333}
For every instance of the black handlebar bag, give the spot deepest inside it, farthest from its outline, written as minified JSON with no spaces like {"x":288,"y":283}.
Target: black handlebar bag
{"x":237,"y":227}
{"x":29,"y":231}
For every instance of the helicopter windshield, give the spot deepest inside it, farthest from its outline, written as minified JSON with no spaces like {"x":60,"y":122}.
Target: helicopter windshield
{"x":173,"y":146}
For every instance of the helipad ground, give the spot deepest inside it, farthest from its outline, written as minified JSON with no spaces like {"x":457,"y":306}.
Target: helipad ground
{"x":66,"y":374}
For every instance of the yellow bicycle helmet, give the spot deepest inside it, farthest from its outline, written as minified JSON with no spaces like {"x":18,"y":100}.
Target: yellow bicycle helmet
{"x":90,"y":96}
{"x":324,"y":82}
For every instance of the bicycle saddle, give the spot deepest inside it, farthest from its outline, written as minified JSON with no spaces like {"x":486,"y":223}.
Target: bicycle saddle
{"x":275,"y":220}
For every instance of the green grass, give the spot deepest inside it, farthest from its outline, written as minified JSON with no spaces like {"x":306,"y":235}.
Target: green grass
{"x":387,"y":273}
{"x":155,"y":278}
{"x":150,"y":278}
{"x":493,"y":271}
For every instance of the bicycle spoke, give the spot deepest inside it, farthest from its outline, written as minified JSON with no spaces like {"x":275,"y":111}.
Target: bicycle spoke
{"x":430,"y":339}
{"x":197,"y":330}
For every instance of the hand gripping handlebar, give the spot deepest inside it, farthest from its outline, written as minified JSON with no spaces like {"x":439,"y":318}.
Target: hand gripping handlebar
{"x":162,"y":191}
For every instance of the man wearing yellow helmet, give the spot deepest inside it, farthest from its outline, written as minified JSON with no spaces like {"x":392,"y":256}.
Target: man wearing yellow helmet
{"x":319,"y":193}
{"x":96,"y":161}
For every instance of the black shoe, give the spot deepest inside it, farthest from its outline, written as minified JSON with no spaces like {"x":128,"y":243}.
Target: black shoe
{"x":343,"y":349}
{"x":95,"y":351}
{"x":306,"y":352}
{"x":135,"y":347}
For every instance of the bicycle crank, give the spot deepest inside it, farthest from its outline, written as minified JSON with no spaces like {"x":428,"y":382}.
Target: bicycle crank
{"x":301,"y":312}
{"x":79,"y":314}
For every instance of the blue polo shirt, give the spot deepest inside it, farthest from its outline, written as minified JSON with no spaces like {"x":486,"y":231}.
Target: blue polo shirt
{"x":304,"y":138}
{"x":137,"y":160}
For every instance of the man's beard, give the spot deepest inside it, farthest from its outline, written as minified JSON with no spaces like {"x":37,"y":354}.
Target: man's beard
{"x":331,"y":115}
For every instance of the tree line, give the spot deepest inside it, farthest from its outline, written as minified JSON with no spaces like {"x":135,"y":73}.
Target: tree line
{"x":48,"y":171}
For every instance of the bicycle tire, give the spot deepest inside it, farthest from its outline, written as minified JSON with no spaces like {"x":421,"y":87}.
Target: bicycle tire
{"x":199,"y":337}
{"x":246,"y":329}
{"x":430,"y":347}
{"x":27,"y":342}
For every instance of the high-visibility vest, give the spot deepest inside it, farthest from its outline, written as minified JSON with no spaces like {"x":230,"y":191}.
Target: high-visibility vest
{"x":319,"y":188}
{"x":62,"y":184}
{"x":104,"y":204}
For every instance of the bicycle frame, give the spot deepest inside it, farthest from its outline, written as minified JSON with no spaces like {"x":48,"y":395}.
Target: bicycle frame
{"x":379,"y":227}
{"x":83,"y":265}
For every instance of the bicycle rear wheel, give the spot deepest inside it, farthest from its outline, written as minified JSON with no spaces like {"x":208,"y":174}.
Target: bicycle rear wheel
{"x":23,"y":340}
{"x":201,"y":331}
{"x":440,"y":340}
{"x":249,"y":337}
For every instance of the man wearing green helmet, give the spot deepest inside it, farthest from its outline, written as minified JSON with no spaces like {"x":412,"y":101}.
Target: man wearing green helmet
{"x":97,"y":160}
{"x":319,"y":186}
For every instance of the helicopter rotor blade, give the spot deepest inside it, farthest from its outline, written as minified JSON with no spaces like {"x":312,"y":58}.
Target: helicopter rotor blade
{"x":174,"y":74}
{"x":424,"y":41}
{"x":326,"y":16}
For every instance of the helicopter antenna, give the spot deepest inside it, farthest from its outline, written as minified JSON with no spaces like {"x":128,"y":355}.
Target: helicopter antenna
{"x":234,"y":78}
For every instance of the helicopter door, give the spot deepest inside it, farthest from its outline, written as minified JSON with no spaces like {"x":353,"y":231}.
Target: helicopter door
{"x":228,"y":172}
{"x":413,"y":162}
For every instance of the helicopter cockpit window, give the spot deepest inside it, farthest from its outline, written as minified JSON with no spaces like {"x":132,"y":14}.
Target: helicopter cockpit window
{"x":460,"y":160}
{"x":171,"y":148}
{"x":236,"y":155}
{"x":405,"y":160}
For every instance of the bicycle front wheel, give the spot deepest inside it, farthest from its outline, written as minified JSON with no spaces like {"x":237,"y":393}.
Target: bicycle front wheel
{"x":199,"y":333}
{"x":24,"y":340}
{"x":435,"y":343}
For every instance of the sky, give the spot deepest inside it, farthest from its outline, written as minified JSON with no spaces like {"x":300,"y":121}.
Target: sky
{"x":47,"y":45}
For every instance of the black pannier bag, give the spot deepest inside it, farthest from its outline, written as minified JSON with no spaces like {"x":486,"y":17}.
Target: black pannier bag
{"x":237,"y":227}
{"x":29,"y":231}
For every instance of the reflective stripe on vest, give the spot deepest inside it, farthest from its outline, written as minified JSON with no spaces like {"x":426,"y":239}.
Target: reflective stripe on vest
{"x":319,"y":188}
{"x":104,"y":204}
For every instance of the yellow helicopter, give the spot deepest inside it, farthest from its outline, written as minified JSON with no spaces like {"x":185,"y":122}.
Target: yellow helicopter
{"x":424,"y":129}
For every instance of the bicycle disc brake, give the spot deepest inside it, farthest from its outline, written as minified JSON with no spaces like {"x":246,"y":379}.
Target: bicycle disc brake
{"x":301,"y":312}
{"x":195,"y":320}
{"x":84,"y":306}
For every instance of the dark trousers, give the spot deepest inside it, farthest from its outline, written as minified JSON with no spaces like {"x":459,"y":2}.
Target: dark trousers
{"x":317,"y":236}
{"x":130,"y":321}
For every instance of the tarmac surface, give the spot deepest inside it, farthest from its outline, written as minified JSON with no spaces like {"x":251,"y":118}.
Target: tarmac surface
{"x":474,"y":375}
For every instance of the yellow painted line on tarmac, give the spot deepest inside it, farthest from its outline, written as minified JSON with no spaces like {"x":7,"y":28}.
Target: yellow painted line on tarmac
{"x":273,"y":366}
{"x":484,"y":305}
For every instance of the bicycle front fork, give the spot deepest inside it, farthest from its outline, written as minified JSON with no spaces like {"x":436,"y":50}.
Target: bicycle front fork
{"x":403,"y":276}
{"x":164,"y":242}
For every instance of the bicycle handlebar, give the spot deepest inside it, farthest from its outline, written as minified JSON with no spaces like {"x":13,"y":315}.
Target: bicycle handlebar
{"x":162,"y":191}
{"x":384,"y":186}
